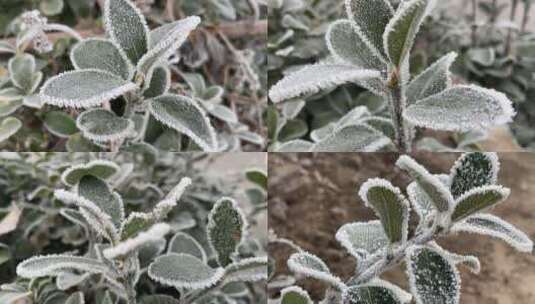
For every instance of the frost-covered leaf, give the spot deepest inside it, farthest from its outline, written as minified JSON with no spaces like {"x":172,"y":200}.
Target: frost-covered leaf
{"x":470,"y":261}
{"x":60,"y":124}
{"x":159,"y":82}
{"x":473,"y":170}
{"x":6,"y":47}
{"x":101,"y":54}
{"x":165,"y":40}
{"x":226,"y":229}
{"x":32,"y":101}
{"x":247,"y":270}
{"x":363,"y":238}
{"x":399,"y":293}
{"x":68,"y":279}
{"x":100,"y":168}
{"x":488,"y":224}
{"x":297,"y":145}
{"x":430,"y":184}
{"x":295,"y":295}
{"x":220,"y":111}
{"x":314,"y":78}
{"x":184,"y":115}
{"x":258,"y":177}
{"x":312,"y":266}
{"x":195,"y":82}
{"x":184,"y":243}
{"x":292,"y":108}
{"x":401,"y":30}
{"x":10,"y":95}
{"x":13,"y":297}
{"x":347,"y":46}
{"x":482,"y":56}
{"x":461,"y":108}
{"x":52,"y":265}
{"x":235,"y":289}
{"x":103,"y":125}
{"x":371,"y":18}
{"x":184,"y":271}
{"x":21,"y":70}
{"x":435,"y":79}
{"x":158,"y":299}
{"x":51,"y":7}
{"x":478,"y":199}
{"x":83,"y":88}
{"x":154,"y":233}
{"x":390,"y":205}
{"x":381,"y":124}
{"x":98,"y":192}
{"x":136,"y":223}
{"x":369,"y":295}
{"x":422,"y":203}
{"x":434,"y":279}
{"x":353,"y":138}
{"x":8,"y":127}
{"x":126,"y":26}
{"x":78,"y":143}
{"x":76,"y":298}
{"x":97,"y":219}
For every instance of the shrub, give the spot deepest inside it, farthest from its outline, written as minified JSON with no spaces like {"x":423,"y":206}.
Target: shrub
{"x":372,"y":48}
{"x":445,"y":204}
{"x":100,"y":246}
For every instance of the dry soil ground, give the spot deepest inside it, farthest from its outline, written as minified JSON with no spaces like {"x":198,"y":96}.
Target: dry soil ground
{"x":311,"y":195}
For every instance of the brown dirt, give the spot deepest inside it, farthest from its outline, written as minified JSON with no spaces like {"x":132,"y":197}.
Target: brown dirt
{"x":311,"y":195}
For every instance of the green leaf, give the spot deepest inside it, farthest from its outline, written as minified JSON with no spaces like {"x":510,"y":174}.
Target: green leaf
{"x":220,"y":111}
{"x":60,"y":124}
{"x":77,"y":143}
{"x":21,"y":70}
{"x":297,"y":145}
{"x":184,"y":115}
{"x":363,"y":238}
{"x":369,"y":295}
{"x":422,"y":203}
{"x":158,"y":299}
{"x":126,"y":26}
{"x":482,"y":56}
{"x":103,"y":125}
{"x":295,"y":295}
{"x":435,"y":79}
{"x":430,"y":184}
{"x":102,"y":169}
{"x":76,"y":298}
{"x":184,"y":243}
{"x":184,"y":271}
{"x":258,"y":177}
{"x":478,"y":199}
{"x":247,"y":270}
{"x":165,"y":40}
{"x":401,"y":30}
{"x":461,"y":108}
{"x":135,"y":223}
{"x":371,"y":18}
{"x":433,"y":277}
{"x":346,"y":45}
{"x":381,"y":124}
{"x":488,"y":224}
{"x":226,"y":228}
{"x":195,"y":82}
{"x":159,"y":82}
{"x":101,"y":54}
{"x":315,"y":78}
{"x":50,"y":265}
{"x":312,"y":266}
{"x":6,"y":47}
{"x":98,"y":191}
{"x":83,"y":88}
{"x":389,"y":205}
{"x":473,"y":170}
{"x":293,"y":129}
{"x":9,"y":127}
{"x":51,"y":7}
{"x":353,"y":138}
{"x":8,"y":107}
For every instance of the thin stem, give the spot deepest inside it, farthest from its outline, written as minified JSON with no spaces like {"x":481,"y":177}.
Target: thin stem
{"x":510,"y":31}
{"x":525,"y":17}
{"x":397,"y":101}
{"x":474,"y":22}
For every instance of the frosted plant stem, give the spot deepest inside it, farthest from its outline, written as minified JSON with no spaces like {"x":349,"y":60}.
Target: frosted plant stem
{"x":397,"y":102}
{"x":130,"y":294}
{"x":510,"y":32}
